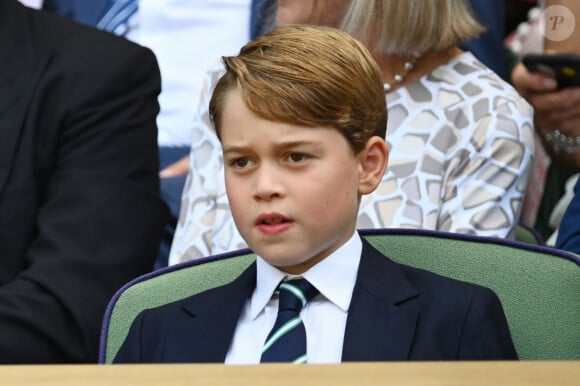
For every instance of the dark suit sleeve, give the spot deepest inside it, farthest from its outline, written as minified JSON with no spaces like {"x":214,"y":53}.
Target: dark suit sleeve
{"x":130,"y":350}
{"x":99,"y":216}
{"x":569,"y":229}
{"x":486,"y":334}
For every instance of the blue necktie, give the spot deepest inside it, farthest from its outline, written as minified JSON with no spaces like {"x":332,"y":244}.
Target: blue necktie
{"x":118,"y":16}
{"x":287,"y":340}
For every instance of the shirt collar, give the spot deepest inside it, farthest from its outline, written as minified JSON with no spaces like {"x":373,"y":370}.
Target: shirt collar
{"x":339,"y":267}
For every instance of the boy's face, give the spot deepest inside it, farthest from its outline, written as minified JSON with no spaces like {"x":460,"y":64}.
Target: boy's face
{"x":293,"y":190}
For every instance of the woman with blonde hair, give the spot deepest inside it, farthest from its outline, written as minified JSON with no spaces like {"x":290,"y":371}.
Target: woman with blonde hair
{"x":460,"y":138}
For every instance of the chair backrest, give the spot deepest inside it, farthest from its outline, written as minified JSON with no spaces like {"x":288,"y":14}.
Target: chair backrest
{"x":527,"y":234}
{"x":539,"y":286}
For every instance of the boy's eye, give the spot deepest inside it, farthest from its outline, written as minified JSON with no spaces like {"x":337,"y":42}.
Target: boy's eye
{"x":297,"y":157}
{"x":240,"y":162}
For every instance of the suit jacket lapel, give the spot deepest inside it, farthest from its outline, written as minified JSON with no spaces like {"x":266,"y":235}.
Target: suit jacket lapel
{"x":382,"y":317}
{"x":210,"y":321}
{"x":19,"y":72}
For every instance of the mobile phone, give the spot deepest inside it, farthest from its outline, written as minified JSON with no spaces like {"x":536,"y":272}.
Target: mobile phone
{"x":565,"y":68}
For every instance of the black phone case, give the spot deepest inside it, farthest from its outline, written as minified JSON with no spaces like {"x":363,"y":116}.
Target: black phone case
{"x":564,"y":67}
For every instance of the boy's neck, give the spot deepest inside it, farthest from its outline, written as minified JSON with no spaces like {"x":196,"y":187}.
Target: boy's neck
{"x":300,"y":269}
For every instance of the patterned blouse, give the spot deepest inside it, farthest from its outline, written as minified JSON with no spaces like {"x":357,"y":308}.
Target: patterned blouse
{"x":461,"y":146}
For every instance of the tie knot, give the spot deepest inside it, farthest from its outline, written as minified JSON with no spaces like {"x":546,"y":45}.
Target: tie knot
{"x":294,"y":294}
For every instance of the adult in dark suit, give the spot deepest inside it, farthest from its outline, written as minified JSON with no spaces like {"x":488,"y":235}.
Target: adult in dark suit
{"x":294,"y":183}
{"x":173,"y":172}
{"x":80,"y":212}
{"x":397,"y":313}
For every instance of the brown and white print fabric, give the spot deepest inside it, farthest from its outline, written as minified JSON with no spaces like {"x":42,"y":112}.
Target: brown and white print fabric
{"x":461,"y":149}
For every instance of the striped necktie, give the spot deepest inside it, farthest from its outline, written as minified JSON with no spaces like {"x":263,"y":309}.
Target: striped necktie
{"x":287,"y":340}
{"x":117,"y":18}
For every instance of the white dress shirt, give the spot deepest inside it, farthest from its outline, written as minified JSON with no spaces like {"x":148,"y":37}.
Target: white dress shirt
{"x":324,"y":317}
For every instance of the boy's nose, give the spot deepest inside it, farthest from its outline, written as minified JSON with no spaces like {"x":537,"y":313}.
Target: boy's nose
{"x":267,"y":184}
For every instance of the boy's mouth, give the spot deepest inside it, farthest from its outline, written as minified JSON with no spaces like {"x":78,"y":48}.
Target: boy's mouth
{"x":273,"y":223}
{"x":271,"y":219}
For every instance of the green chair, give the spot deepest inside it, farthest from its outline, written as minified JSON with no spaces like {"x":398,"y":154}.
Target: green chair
{"x":527,"y":234}
{"x":539,"y":287}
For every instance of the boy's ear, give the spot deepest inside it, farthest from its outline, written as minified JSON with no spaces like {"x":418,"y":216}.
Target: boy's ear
{"x":373,"y":161}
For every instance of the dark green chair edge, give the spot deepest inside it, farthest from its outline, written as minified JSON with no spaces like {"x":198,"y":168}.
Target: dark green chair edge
{"x":527,"y":234}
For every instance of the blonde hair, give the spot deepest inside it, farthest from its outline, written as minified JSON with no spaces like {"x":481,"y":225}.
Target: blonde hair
{"x":402,"y":27}
{"x":309,"y":76}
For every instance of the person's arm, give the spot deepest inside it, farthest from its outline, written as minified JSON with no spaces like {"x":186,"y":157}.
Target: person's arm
{"x":176,"y":169}
{"x":485,"y":334}
{"x":100,"y":216}
{"x":554,"y":109}
{"x":131,"y":350}
{"x":486,"y":179}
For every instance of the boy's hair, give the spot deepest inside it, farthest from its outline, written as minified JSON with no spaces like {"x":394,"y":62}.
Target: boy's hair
{"x":307,"y":76}
{"x":402,"y":27}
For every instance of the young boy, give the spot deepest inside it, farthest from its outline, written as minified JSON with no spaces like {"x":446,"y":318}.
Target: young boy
{"x":301,"y":116}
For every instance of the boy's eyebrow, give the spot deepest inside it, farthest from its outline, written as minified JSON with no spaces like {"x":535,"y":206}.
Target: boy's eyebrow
{"x":291,"y":144}
{"x":279,"y":146}
{"x":235,"y":149}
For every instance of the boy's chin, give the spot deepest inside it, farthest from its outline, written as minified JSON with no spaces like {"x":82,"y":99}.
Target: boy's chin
{"x":294,"y":265}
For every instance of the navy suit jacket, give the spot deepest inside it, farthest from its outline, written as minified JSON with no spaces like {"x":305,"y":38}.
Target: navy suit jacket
{"x":396,"y":313}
